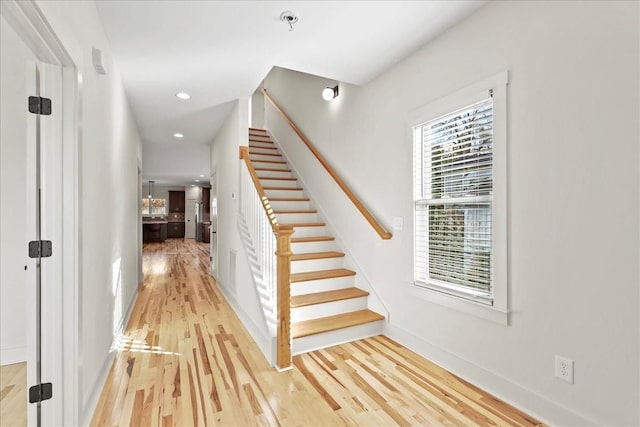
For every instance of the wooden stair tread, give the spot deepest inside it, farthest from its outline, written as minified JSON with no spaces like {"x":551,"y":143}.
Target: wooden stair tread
{"x":283,"y":188}
{"x":289,"y":199}
{"x":264,"y":154}
{"x":327,"y":296}
{"x":258,"y":130}
{"x":332,"y":323}
{"x":279,"y":162}
{"x":316,"y":255}
{"x":321,"y":274}
{"x":296,"y":211}
{"x":312,"y":239}
{"x":306,"y":224}
{"x":260,"y":147}
{"x":272,"y":169}
{"x":270,"y":178}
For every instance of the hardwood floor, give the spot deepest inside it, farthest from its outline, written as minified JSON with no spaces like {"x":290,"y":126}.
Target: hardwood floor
{"x":13,"y":395}
{"x":186,"y":360}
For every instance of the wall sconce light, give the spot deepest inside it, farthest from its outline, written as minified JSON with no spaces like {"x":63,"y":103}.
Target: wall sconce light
{"x":328,"y":93}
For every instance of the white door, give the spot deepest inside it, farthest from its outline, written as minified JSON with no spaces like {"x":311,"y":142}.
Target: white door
{"x":190,"y":218}
{"x":29,"y":180}
{"x":17,"y":271}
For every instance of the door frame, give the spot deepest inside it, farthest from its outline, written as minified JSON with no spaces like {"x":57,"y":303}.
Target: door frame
{"x":61,"y":318}
{"x":213,"y":245}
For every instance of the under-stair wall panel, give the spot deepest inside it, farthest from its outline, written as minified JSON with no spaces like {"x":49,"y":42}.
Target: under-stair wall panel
{"x":244,"y":294}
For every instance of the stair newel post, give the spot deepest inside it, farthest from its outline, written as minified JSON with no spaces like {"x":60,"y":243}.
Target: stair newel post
{"x":283,"y":254}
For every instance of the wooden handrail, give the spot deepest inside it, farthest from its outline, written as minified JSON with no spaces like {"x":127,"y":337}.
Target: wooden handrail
{"x":283,"y":274}
{"x":350,"y":194}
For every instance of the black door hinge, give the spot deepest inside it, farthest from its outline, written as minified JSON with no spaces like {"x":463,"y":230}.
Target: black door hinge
{"x":39,"y":105}
{"x":40,"y":392}
{"x":40,"y":249}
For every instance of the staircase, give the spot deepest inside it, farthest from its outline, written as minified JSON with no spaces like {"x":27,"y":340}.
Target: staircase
{"x":326,"y":307}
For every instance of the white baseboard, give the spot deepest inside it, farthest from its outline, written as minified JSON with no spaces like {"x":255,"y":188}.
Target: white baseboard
{"x":94,"y":394}
{"x":526,"y":400}
{"x":264,"y":342}
{"x":9,"y":356}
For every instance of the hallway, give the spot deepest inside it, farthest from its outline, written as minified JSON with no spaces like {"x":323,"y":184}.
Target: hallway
{"x":185,"y":359}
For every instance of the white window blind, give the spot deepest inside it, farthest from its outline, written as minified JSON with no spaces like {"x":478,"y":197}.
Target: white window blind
{"x":453,"y":190}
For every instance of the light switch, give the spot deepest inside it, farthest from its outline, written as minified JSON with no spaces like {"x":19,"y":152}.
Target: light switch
{"x":398,"y":223}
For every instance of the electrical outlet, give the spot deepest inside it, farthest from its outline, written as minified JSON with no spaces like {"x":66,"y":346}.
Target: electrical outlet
{"x":564,"y":369}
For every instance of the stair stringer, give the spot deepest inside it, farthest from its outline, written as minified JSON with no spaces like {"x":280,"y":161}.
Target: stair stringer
{"x":374,"y":302}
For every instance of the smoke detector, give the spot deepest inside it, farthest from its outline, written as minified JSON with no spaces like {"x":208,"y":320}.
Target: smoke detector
{"x":289,"y":18}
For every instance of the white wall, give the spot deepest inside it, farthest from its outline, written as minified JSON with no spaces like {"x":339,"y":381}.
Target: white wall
{"x":109,"y":196}
{"x":194,"y":193}
{"x":573,"y":161}
{"x":257,"y":109}
{"x":14,"y":55}
{"x":241,"y":292}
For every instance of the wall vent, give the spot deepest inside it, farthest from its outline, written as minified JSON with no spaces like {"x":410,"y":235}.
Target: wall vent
{"x":98,"y":61}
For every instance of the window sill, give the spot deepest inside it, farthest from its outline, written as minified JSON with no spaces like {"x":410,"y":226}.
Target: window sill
{"x":479,"y":310}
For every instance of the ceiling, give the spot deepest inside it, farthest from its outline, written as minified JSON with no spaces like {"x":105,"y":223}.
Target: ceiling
{"x":219,"y":51}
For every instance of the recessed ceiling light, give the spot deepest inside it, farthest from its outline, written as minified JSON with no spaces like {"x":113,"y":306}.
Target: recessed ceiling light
{"x":193,"y":185}
{"x":201,"y":176}
{"x":183,"y":95}
{"x":178,"y":135}
{"x":197,"y":180}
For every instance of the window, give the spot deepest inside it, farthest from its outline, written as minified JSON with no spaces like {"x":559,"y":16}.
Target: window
{"x":459,"y":147}
{"x":154,"y":206}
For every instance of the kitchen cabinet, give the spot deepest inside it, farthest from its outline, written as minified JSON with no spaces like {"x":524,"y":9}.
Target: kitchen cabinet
{"x":154,"y":231}
{"x":175,"y":230}
{"x":176,"y":201}
{"x":206,"y":232}
{"x":206,"y":204}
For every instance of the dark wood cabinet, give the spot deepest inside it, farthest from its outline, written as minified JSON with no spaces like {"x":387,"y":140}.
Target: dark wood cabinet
{"x":176,"y":201}
{"x":175,"y":230}
{"x":154,"y":232}
{"x":206,"y":204}
{"x":206,"y":233}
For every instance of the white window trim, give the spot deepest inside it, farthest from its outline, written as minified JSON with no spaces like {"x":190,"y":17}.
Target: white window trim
{"x":499,"y":310}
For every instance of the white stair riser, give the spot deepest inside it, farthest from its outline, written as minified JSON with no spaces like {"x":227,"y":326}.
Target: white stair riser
{"x":328,"y":309}
{"x":262,"y":144}
{"x":256,"y":140}
{"x":289,"y":205}
{"x":296,"y":217}
{"x":316,"y":265}
{"x":262,"y":150}
{"x":272,"y":174}
{"x":279,"y":183}
{"x":306,"y":247}
{"x":309,"y":231}
{"x":341,"y":336}
{"x":322,"y":285}
{"x":258,"y":157}
{"x":295,"y":194}
{"x":259,"y":164}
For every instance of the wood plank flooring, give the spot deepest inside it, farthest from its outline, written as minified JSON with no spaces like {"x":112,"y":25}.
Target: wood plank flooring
{"x":186,"y":360}
{"x":13,"y":395}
